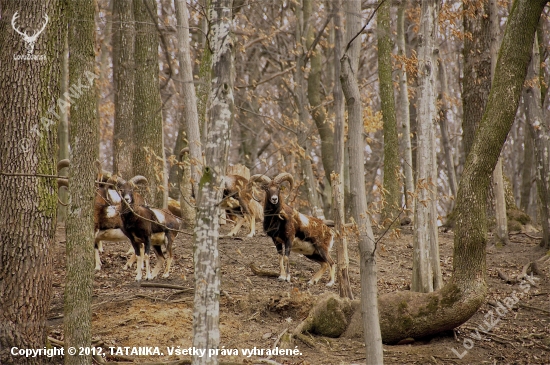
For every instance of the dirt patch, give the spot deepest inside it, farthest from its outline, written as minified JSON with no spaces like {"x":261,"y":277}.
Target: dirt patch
{"x":256,"y":310}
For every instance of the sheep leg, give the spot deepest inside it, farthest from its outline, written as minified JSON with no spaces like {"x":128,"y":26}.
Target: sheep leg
{"x":160,"y":261}
{"x":100,"y":246}
{"x":169,"y":240}
{"x":238,"y":225}
{"x":132,"y":258}
{"x":97,"y":258}
{"x":318,"y":274}
{"x":252,"y":220}
{"x":288,"y":246}
{"x":332,"y":274}
{"x":137,"y":249}
{"x":147,"y":263}
{"x":282,"y":271}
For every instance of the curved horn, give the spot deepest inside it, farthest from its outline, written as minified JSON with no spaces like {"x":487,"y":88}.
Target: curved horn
{"x":114,"y":181}
{"x":62,"y":164}
{"x":62,"y":182}
{"x":284,"y":176}
{"x":138,"y":179}
{"x":264,"y":179}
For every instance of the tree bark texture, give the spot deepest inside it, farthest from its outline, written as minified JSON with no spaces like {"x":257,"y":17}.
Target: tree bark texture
{"x":314,"y":96}
{"x":540,"y":130}
{"x":501,"y":230}
{"x":477,"y":67}
{"x":426,"y":269}
{"x":409,"y":314}
{"x":337,"y":177}
{"x":444,"y":128}
{"x":63,"y":130}
{"x":350,"y":87}
{"x":28,"y":144}
{"x":404,"y":109}
{"x":206,"y":312}
{"x":392,"y":173}
{"x":123,"y":82}
{"x":149,"y":152}
{"x":84,"y":137}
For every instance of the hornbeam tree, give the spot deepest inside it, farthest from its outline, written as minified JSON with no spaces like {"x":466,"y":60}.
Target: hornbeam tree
{"x":206,"y":312}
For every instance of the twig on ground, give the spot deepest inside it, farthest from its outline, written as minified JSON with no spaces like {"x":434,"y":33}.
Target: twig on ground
{"x":277,"y":341}
{"x":166,"y":286}
{"x":534,"y":308}
{"x":259,"y":272}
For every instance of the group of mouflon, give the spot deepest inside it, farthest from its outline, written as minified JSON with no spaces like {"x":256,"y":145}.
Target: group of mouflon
{"x":122,"y":214}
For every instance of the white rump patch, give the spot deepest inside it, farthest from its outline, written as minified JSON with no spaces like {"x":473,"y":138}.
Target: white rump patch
{"x":114,"y":197}
{"x":160,"y":216}
{"x":113,"y":235}
{"x":304,"y":220}
{"x":111,"y":211}
{"x":303,"y":247}
{"x":157,"y":239}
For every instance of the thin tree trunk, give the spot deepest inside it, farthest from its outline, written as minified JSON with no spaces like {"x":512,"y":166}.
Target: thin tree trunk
{"x":404,"y":109}
{"x":350,"y":87}
{"x":28,"y":144}
{"x":392,"y":173}
{"x":203,"y":89}
{"x":148,"y":157}
{"x":206,"y":312}
{"x":192,"y":130}
{"x":540,"y":129}
{"x":426,"y":269}
{"x":443,"y":126}
{"x":123,"y":83}
{"x":501,"y":231}
{"x":84,"y":132}
{"x":317,"y":110}
{"x":337,"y":177}
{"x":527,"y":175}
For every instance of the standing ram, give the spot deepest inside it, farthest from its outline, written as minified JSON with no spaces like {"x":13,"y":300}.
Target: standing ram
{"x":145,"y":226}
{"x":293,"y":231}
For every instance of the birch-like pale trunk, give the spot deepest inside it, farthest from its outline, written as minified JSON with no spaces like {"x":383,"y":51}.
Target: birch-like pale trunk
{"x":369,"y":291}
{"x":540,"y":130}
{"x":444,"y":128}
{"x":501,"y":229}
{"x":426,"y":270}
{"x":337,"y":177}
{"x":403,"y":105}
{"x":206,"y":311}
{"x":188,"y":95}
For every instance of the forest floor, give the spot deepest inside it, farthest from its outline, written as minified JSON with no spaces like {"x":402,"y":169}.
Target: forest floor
{"x":255,"y":310}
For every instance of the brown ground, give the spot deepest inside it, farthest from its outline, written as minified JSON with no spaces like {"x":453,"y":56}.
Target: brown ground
{"x":255,"y":310}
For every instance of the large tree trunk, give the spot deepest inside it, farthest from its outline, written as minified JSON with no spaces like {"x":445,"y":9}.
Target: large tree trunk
{"x":206,"y":312}
{"x":392,"y":173}
{"x":404,"y":108}
{"x":149,"y":152}
{"x":188,"y":95}
{"x":84,"y":136}
{"x":63,"y":130}
{"x":501,"y":230}
{"x":123,"y":83}
{"x":410,"y":314}
{"x":350,"y":87}
{"x":337,"y":177}
{"x":28,"y":145}
{"x":426,"y":269}
{"x":477,"y":67}
{"x":540,"y":130}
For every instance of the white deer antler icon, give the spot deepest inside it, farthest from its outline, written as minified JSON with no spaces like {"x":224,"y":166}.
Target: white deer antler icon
{"x":30,"y":40}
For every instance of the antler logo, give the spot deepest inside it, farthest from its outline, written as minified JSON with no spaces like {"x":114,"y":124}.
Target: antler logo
{"x":29,"y":40}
